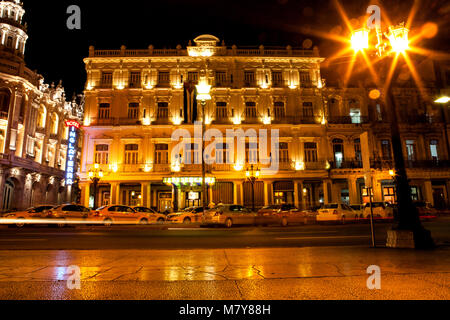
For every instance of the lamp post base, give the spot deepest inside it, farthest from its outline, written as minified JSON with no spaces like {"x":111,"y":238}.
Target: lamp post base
{"x":409,"y":239}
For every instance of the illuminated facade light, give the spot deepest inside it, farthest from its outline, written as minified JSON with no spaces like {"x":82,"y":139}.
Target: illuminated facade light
{"x":299,"y":166}
{"x":203,"y":91}
{"x":398,"y":38}
{"x":267,"y":120}
{"x":360,"y":40}
{"x":238,"y":166}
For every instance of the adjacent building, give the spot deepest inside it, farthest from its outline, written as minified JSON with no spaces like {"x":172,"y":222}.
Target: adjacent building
{"x":33,"y":135}
{"x":136,"y":99}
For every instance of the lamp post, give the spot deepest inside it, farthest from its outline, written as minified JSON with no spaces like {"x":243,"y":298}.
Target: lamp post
{"x":95,"y":174}
{"x":203,"y":95}
{"x":253,"y":173}
{"x":407,"y":219}
{"x":444,"y":100}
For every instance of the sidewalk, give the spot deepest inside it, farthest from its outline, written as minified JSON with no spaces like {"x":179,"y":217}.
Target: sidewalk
{"x":234,"y":274}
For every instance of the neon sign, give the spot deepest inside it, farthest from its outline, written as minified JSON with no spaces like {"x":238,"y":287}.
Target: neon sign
{"x":71,"y":151}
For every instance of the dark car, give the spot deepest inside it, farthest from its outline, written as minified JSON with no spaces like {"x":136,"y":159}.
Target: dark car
{"x":426,"y":210}
{"x":281,"y":214}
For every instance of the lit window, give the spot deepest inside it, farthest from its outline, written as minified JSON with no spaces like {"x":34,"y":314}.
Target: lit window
{"x":411,"y":149}
{"x":434,"y":147}
{"x":131,"y":153}
{"x":101,"y":154}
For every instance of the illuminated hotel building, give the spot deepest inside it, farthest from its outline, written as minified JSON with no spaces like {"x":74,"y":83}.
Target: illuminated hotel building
{"x":136,"y":99}
{"x":33,"y":136}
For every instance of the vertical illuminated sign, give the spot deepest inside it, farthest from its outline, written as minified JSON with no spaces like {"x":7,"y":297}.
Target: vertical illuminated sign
{"x":71,"y":151}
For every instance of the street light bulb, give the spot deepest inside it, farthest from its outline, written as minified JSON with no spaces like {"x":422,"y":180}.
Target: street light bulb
{"x":96,"y":166}
{"x":360,"y":40}
{"x":203,"y":91}
{"x":398,"y":37}
{"x":247,"y":173}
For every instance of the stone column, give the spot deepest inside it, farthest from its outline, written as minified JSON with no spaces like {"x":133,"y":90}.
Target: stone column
{"x":2,"y":186}
{"x":353,"y":190}
{"x":235,"y":192}
{"x":241,"y":192}
{"x":296,"y":193}
{"x":210,"y":191}
{"x":326,"y":194}
{"x":85,"y":193}
{"x":114,"y":193}
{"x":12,"y":107}
{"x":428,"y":192}
{"x":266,"y":193}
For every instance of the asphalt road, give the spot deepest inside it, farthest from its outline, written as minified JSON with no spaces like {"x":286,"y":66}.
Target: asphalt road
{"x":193,"y":237}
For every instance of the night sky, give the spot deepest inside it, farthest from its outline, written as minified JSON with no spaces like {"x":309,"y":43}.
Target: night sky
{"x":57,"y":52}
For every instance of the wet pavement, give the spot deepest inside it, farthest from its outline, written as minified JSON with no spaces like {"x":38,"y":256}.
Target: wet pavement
{"x":235,"y":274}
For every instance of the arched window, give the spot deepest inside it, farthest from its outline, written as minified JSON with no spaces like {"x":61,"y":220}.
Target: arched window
{"x":54,"y":124}
{"x":338,"y":152}
{"x":41,"y":121}
{"x":4,"y":103}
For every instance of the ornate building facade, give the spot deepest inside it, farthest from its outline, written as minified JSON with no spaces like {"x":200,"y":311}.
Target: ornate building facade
{"x":136,"y":99}
{"x":33,"y":135}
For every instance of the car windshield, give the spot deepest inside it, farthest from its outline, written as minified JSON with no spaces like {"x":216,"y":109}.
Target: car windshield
{"x":331,"y":206}
{"x":101,"y":208}
{"x":356,"y":207}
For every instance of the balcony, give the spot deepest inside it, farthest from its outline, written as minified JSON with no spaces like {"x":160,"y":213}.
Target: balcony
{"x":316,"y":165}
{"x":115,"y":122}
{"x":348,"y":120}
{"x":223,"y":84}
{"x":162,"y":168}
{"x":280,"y":84}
{"x":346,"y":164}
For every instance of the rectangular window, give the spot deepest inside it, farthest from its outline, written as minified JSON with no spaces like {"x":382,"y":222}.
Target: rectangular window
{"x":308,"y":110}
{"x":305,"y":79}
{"x":277,"y":78}
{"x":161,"y":154}
{"x":104,"y":110}
{"x":133,"y":111}
{"x":355,"y":115}
{"x":135,"y":80}
{"x":434,"y":150}
{"x":192,"y":154}
{"x":164,"y":78}
{"x":386,"y":149}
{"x":193,"y":76}
{"x":163,"y":111}
{"x":283,"y":151}
{"x":101,"y":154}
{"x":222,"y":153}
{"x":411,"y":150}
{"x":250,"y":110}
{"x":310,"y":152}
{"x":221,"y":111}
{"x":279,"y":110}
{"x":249,"y":78}
{"x":251,"y":152}
{"x":107,"y":78}
{"x":358,"y":154}
{"x":131,"y":154}
{"x":221,"y":78}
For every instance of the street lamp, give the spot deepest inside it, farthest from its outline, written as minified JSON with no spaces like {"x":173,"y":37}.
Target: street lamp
{"x":203,"y":95}
{"x":253,"y":173}
{"x":95,"y":174}
{"x":408,"y":217}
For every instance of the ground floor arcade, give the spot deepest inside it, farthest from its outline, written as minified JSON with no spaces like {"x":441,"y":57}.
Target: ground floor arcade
{"x":303,"y":193}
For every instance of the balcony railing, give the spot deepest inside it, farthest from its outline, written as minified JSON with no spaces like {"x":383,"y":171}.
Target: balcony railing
{"x":348,"y":120}
{"x":115,"y":122}
{"x":346,"y":164}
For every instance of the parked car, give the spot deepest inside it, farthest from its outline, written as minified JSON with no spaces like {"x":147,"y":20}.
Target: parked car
{"x":68,"y":214}
{"x":118,"y":214}
{"x":186,"y":216}
{"x":337,"y":212}
{"x":359,"y":209}
{"x":426,"y":210}
{"x":229,"y":215}
{"x":36,"y":213}
{"x":153,"y":216}
{"x":381,"y":210}
{"x":282,"y":214}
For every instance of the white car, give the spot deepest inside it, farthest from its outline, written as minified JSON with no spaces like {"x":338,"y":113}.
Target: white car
{"x":336,"y":212}
{"x":381,"y":210}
